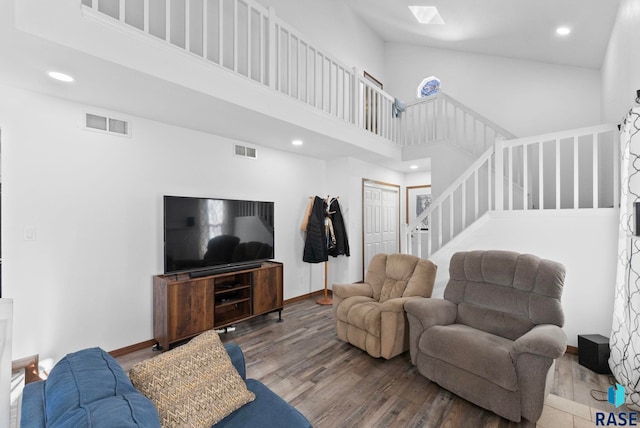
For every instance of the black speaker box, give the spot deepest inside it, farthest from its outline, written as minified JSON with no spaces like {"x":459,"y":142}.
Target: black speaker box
{"x":593,"y":352}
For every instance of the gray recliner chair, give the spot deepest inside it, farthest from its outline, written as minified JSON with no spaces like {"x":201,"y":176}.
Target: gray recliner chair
{"x":494,"y":338}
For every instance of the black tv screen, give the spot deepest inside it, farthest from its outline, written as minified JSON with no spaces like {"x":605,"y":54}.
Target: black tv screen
{"x":207,"y":233}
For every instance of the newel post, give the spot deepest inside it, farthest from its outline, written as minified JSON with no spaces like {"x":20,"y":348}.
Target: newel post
{"x":499,"y":173}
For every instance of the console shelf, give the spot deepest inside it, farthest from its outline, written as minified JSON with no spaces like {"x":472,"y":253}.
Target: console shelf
{"x":184,"y":307}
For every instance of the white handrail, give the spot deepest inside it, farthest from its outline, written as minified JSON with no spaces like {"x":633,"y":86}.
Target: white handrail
{"x":245,"y":37}
{"x":564,"y":159}
{"x":592,"y":152}
{"x":559,"y":135}
{"x":233,"y":35}
{"x":497,"y":128}
{"x":452,"y":188}
{"x":375,"y":109}
{"x":461,"y":206}
{"x":305,"y":72}
{"x":442,"y":118}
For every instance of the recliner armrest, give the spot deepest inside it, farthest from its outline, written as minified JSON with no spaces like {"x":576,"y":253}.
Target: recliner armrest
{"x":349,"y":290}
{"x":546,"y":340}
{"x":432,"y":312}
{"x":397,"y":304}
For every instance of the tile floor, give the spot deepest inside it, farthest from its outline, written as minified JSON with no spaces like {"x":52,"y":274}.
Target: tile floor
{"x":559,"y":412}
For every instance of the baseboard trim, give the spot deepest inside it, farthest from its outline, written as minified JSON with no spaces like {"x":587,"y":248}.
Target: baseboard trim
{"x":116,"y":353}
{"x":132,"y":348}
{"x":306,"y":296}
{"x":149,"y":343}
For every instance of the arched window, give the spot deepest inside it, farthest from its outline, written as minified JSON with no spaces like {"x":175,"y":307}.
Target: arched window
{"x":428,"y":86}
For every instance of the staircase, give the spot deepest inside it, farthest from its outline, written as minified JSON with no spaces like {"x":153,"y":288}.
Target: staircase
{"x":442,"y":118}
{"x":569,"y":170}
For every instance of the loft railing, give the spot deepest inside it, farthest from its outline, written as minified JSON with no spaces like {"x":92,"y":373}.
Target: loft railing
{"x":231,"y":33}
{"x":305,"y":72}
{"x":376,"y":114}
{"x":442,"y":118}
{"x":565,"y":170}
{"x":252,"y":41}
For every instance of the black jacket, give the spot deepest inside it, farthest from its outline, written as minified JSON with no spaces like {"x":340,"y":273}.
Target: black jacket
{"x":339,"y":230}
{"x":315,"y":245}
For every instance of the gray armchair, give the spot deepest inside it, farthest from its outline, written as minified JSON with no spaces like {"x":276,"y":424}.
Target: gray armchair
{"x":494,"y":338}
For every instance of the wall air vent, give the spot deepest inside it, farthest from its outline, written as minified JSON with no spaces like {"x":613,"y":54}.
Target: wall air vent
{"x":106,"y":124}
{"x":245,"y":152}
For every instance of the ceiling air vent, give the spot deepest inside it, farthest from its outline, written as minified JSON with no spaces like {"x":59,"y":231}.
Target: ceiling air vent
{"x":246,"y":152}
{"x":107,"y":124}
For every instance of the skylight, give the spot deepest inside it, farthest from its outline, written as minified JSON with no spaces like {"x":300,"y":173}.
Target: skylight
{"x":426,"y":14}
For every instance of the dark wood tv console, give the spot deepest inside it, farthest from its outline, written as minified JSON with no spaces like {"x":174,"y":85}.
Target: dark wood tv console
{"x":184,"y":307}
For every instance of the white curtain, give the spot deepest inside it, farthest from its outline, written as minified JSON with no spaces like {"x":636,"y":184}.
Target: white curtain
{"x":625,"y":332}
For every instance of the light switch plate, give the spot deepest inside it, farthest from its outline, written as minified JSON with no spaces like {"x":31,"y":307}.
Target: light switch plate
{"x":30,"y":233}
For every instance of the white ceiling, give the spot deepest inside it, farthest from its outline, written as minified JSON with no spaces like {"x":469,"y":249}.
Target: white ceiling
{"x":523,"y":29}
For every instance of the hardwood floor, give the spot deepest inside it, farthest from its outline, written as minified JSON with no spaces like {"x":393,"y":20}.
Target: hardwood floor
{"x":335,"y":384}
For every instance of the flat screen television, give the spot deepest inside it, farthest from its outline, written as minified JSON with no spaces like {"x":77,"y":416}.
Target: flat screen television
{"x":204,"y":235}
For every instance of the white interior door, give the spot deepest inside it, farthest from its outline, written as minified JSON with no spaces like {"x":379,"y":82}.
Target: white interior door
{"x":381,"y":215}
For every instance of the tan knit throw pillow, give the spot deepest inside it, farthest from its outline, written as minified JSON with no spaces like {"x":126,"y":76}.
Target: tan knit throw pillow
{"x":194,"y":385}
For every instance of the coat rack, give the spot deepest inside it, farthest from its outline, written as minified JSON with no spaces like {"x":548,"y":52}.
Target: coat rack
{"x":325,"y":300}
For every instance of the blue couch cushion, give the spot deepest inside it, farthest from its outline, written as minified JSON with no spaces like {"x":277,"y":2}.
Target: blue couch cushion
{"x":122,"y":411}
{"x":32,"y":408}
{"x":268,"y":410}
{"x":89,"y":388}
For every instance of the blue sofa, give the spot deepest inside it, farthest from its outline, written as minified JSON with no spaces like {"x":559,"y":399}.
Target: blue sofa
{"x":88,"y":388}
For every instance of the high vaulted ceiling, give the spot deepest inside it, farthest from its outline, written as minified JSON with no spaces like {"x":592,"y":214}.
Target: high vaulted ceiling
{"x":523,"y":29}
{"x":510,"y":28}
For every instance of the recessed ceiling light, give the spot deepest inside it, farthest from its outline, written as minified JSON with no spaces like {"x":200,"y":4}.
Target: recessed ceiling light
{"x":413,"y":167}
{"x":297,"y":142}
{"x":60,"y":76}
{"x":426,"y":14}
{"x":563,"y":31}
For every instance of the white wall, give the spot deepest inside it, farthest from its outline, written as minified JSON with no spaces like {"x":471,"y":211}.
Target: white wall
{"x":332,"y":25}
{"x":418,"y":178}
{"x":344,"y":179}
{"x":95,"y":203}
{"x":524,"y":97}
{"x":584,"y":241}
{"x":621,"y":65}
{"x":6,"y":340}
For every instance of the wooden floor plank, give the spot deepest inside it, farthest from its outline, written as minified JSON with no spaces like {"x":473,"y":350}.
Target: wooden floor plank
{"x":335,"y":384}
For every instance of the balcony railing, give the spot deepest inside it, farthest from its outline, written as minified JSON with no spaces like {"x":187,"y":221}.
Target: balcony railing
{"x":250,"y":40}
